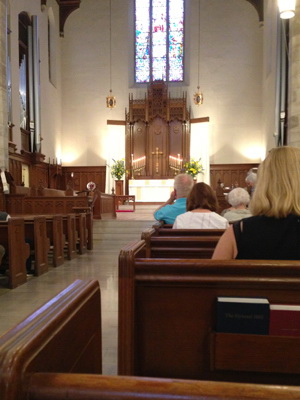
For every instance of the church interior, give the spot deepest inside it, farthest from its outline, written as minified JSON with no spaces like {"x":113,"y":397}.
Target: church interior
{"x":75,"y":101}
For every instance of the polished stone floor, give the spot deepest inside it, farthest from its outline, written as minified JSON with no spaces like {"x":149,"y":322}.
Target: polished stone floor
{"x":101,"y":263}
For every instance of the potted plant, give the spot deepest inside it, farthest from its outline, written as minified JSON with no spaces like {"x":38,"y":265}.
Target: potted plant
{"x":193,"y":167}
{"x":118,"y":169}
{"x":117,"y":172}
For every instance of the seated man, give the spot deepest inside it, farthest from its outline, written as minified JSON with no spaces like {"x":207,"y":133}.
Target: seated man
{"x":176,"y":204}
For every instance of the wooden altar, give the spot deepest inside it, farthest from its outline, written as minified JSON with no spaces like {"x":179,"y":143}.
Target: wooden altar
{"x":157,"y":136}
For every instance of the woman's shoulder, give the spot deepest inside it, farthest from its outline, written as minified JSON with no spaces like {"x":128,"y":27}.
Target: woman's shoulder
{"x":217,"y":216}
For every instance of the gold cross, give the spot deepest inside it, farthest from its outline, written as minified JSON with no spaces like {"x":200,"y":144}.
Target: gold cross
{"x":157,"y":153}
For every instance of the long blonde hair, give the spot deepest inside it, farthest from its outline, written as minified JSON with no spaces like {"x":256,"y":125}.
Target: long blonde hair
{"x":277,"y":192}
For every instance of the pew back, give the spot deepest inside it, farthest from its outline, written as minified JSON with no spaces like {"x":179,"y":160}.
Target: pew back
{"x":95,"y":387}
{"x":46,"y":357}
{"x":167,"y":318}
{"x":180,"y":243}
{"x":40,"y":205}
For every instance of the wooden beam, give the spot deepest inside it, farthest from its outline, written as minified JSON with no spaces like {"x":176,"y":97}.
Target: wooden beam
{"x":66,"y":7}
{"x":115,"y":122}
{"x":196,"y":120}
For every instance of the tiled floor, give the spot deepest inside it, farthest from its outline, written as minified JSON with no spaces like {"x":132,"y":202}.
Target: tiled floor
{"x":101,"y":263}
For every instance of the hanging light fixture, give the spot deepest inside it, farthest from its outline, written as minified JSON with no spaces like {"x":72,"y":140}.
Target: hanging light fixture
{"x":110,"y":99}
{"x":198,"y":96}
{"x":287,"y":8}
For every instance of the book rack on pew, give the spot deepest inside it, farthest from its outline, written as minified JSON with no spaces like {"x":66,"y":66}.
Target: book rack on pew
{"x":167,"y":318}
{"x":33,"y":366}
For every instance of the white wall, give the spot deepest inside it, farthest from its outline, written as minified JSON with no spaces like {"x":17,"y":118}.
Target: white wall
{"x":237,"y":75}
{"x":85,"y":66}
{"x":269,"y":74}
{"x":231,"y":61}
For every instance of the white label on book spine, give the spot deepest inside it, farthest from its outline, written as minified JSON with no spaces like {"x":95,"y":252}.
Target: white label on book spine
{"x":243,"y":300}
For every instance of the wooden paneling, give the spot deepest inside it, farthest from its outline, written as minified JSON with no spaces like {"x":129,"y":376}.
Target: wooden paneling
{"x":53,"y":175}
{"x":156,"y":128}
{"x":229,"y":174}
{"x":82,"y":176}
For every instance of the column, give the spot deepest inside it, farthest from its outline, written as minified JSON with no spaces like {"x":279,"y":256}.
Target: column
{"x":294,"y":81}
{"x":3,"y":89}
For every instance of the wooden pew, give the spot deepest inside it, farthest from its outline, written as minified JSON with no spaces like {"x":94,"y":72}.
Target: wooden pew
{"x":57,"y":229}
{"x":12,"y":237}
{"x":169,"y":231}
{"x":163,"y":229}
{"x":89,"y":224}
{"x":57,"y":238}
{"x":177,"y":245}
{"x":46,"y":357}
{"x":64,"y":335}
{"x":36,"y":232}
{"x":167,"y":318}
{"x":81,"y":227}
{"x":40,"y":205}
{"x":47,"y":386}
{"x":70,"y":232}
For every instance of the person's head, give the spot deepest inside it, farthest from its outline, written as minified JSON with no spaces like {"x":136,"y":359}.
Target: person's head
{"x":277,"y":192}
{"x":238,"y":197}
{"x":183,"y":184}
{"x":251,"y":178}
{"x":202,"y":196}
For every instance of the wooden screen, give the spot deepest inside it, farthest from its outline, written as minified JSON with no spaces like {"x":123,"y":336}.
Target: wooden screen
{"x":157,"y":134}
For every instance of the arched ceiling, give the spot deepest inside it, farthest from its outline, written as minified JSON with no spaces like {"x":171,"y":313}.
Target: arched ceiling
{"x":259,"y":6}
{"x":66,"y":7}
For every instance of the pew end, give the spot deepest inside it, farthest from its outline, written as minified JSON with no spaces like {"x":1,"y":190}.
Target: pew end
{"x":62,"y":336}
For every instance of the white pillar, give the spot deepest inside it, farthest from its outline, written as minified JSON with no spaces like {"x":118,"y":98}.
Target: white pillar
{"x":3,"y":89}
{"x":294,"y":81}
{"x":200,"y":148}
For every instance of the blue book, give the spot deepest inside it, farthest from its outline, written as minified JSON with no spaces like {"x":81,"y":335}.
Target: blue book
{"x":243,"y":315}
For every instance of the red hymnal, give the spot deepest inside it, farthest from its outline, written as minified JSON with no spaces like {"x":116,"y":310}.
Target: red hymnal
{"x":284,"y":320}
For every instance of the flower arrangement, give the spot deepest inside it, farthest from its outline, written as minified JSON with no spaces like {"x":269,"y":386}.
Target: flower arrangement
{"x":118,"y":169}
{"x":193,"y":167}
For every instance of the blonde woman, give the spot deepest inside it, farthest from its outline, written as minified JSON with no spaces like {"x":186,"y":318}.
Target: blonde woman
{"x":273,"y":232}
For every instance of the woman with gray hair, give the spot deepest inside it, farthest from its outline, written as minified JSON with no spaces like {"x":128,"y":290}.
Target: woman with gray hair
{"x":250,"y":180}
{"x":239,"y":199}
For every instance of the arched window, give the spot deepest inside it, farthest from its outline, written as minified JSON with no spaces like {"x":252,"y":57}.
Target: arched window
{"x":159,"y":40}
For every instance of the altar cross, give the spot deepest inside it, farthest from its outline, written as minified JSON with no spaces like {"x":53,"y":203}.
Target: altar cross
{"x":157,"y":153}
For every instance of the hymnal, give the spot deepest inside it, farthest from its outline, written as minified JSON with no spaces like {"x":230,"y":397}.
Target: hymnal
{"x":284,"y":320}
{"x":243,"y":315}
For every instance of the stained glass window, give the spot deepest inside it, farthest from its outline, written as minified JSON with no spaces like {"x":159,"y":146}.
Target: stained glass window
{"x":159,"y":36}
